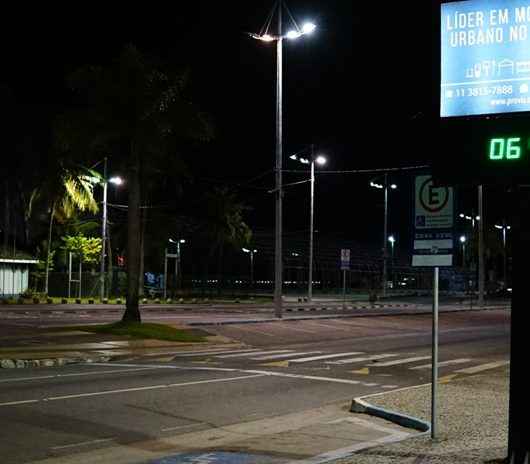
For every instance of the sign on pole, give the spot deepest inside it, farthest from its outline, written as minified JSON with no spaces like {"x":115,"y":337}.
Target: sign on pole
{"x":345,"y":260}
{"x":433,"y":224}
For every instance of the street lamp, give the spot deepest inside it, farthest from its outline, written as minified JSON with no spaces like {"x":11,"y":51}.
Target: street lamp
{"x":116,"y":181}
{"x":177,"y":263}
{"x":504,"y":228}
{"x":463,"y":241}
{"x":266,"y":36}
{"x":392,"y":241}
{"x":321,"y":161}
{"x":385,"y":186}
{"x":251,"y":253}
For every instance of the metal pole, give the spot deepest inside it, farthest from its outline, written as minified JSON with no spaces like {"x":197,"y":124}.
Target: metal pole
{"x":103,"y":234}
{"x":69,"y":274}
{"x":505,"y":264}
{"x":165,"y":274}
{"x":344,"y":289}
{"x":385,"y":234}
{"x":278,"y":257}
{"x":251,"y":269}
{"x":481,"y":261}
{"x":179,"y":267}
{"x":434,"y":424}
{"x":80,"y":275}
{"x":311,"y":226}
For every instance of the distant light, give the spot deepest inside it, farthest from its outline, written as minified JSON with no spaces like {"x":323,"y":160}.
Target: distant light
{"x":321,"y":160}
{"x":392,"y":239}
{"x":393,"y":186}
{"x":469,"y":218}
{"x":116,"y":181}
{"x":246,"y":250}
{"x":182,"y":241}
{"x":255,"y":251}
{"x":308,"y":28}
{"x":498,"y":227}
{"x":509,"y":227}
{"x":463,"y":239}
{"x":293,"y":157}
{"x":377,"y":186}
{"x":304,"y":161}
{"x":462,"y":215}
{"x":293,"y":35}
{"x":478,"y":218}
{"x":267,"y":38}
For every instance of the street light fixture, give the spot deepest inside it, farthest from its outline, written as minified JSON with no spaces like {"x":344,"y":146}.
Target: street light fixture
{"x":385,"y":186}
{"x":251,"y":253}
{"x":116,"y":181}
{"x":321,"y":160}
{"x":265,"y":36}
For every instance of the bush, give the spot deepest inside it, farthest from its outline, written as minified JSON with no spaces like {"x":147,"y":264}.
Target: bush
{"x":78,"y":300}
{"x":105,"y":301}
{"x":20,"y":301}
{"x":49,"y":300}
{"x":91,"y":301}
{"x":372,"y":298}
{"x":64,"y":301}
{"x":157,"y":300}
{"x":118,"y":301}
{"x":36,"y":300}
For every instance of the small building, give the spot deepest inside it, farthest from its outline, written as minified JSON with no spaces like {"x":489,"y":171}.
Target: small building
{"x":14,"y":276}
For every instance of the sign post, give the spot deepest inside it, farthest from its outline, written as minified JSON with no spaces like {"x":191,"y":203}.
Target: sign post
{"x":345,"y":266}
{"x":433,"y":247}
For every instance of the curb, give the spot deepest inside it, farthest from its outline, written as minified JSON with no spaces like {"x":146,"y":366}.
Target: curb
{"x":362,"y":407}
{"x":49,"y":362}
{"x":418,"y":312}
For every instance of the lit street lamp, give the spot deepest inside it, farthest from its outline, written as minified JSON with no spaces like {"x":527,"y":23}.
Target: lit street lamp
{"x":463,"y":240}
{"x":266,"y":36}
{"x":385,"y":186}
{"x":504,"y":228}
{"x":321,"y":161}
{"x":392,"y":241}
{"x":251,"y":253}
{"x":177,"y":263}
{"x":116,"y":181}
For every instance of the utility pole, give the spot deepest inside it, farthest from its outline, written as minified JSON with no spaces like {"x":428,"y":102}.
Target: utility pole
{"x":278,"y":256}
{"x":311,"y":227}
{"x":103,"y":234}
{"x":481,"y":263}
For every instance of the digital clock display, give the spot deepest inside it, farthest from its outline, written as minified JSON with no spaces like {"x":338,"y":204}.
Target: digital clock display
{"x":510,"y":148}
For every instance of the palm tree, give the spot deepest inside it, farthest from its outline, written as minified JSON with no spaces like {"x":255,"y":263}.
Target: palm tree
{"x":69,"y":190}
{"x":138,"y":112}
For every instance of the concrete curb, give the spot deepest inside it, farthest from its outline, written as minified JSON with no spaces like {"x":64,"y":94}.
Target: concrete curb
{"x":418,"y":312}
{"x":362,"y":407}
{"x":49,"y":362}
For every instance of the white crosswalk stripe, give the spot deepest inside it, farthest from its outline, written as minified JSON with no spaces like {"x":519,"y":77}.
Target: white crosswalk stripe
{"x":362,"y":359}
{"x":397,"y":362}
{"x":284,"y":356}
{"x":444,"y":363}
{"x":255,"y":353}
{"x":214,"y":352}
{"x":325,"y":356}
{"x":482,"y":367}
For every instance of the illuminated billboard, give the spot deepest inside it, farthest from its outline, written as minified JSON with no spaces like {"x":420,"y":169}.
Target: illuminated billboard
{"x":485,"y":57}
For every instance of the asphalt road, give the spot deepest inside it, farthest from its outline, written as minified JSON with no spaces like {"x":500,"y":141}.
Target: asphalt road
{"x":289,"y":376}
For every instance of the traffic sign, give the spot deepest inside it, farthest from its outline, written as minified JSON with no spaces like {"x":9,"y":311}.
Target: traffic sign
{"x":433,"y":224}
{"x":345,"y":260}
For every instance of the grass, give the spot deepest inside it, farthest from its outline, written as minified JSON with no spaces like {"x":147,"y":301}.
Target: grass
{"x":145,"y":331}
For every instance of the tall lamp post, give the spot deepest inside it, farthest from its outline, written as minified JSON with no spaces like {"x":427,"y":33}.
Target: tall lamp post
{"x":265,"y":36}
{"x":463,"y":240}
{"x":392,"y":241}
{"x":251,"y":253}
{"x":385,"y":186}
{"x":116,"y":181}
{"x":320,"y":160}
{"x":504,"y":228}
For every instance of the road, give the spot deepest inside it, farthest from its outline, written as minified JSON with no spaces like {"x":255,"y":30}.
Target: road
{"x":280,"y":398}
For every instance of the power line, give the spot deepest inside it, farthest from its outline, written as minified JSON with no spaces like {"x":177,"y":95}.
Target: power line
{"x":363,"y":171}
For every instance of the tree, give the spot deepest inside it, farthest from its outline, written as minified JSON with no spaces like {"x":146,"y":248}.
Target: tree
{"x":68,"y":189}
{"x":88,"y":249}
{"x":139,"y":113}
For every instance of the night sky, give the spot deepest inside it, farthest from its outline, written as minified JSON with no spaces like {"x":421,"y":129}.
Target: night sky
{"x":356,"y":89}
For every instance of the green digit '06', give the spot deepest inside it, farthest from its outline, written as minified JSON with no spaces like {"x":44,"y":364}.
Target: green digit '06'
{"x":503,"y":148}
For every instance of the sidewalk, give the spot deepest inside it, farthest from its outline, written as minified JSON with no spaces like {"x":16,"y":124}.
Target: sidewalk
{"x":473,"y":423}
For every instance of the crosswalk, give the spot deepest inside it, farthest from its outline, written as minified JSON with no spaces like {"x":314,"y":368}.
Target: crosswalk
{"x":359,"y":359}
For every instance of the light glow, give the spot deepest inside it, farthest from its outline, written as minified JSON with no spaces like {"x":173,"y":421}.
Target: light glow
{"x":116,"y":180}
{"x":321,"y":160}
{"x":308,"y":28}
{"x":293,"y":35}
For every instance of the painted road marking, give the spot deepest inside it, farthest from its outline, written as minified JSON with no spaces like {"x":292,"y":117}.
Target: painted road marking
{"x":187,"y":426}
{"x":282,"y":356}
{"x":136,"y":389}
{"x":442,"y":364}
{"x":483,"y":367}
{"x":402,"y":361}
{"x":76,"y":374}
{"x":362,"y":359}
{"x":83,"y":443}
{"x":326,"y":356}
{"x":254,"y":353}
{"x":289,"y":326}
{"x":206,"y":353}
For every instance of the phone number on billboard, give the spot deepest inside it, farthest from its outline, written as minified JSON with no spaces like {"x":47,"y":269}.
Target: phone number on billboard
{"x":481,"y":91}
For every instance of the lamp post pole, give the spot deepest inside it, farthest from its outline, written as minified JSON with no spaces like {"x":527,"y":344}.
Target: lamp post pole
{"x":103,"y":233}
{"x":385,"y":235}
{"x":481,"y":257}
{"x":278,"y":256}
{"x":311,"y":227}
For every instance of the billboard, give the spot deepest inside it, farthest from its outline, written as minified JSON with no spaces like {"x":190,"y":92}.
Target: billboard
{"x":485,"y":57}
